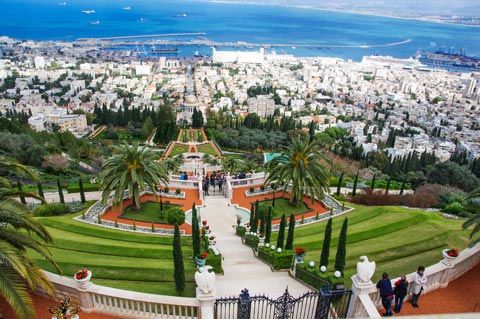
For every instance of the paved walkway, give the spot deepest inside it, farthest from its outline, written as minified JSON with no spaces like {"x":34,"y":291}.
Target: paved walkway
{"x":241,"y":268}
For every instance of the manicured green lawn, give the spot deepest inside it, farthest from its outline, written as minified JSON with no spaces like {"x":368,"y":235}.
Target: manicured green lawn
{"x":207,"y":149}
{"x":397,"y":239}
{"x":150,"y":212}
{"x":125,"y":260}
{"x":178,"y":149}
{"x":282,"y":206}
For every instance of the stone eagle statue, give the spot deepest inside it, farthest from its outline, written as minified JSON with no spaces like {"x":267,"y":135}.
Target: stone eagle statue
{"x":365,"y":269}
{"x":205,"y":280}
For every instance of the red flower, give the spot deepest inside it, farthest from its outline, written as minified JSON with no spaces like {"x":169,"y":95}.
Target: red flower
{"x":207,"y":227}
{"x":204,"y":222}
{"x":453,"y":252}
{"x":81,"y":274}
{"x":299,"y":250}
{"x":204,"y":255}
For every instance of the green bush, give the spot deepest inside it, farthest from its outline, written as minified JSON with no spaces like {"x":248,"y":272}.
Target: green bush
{"x":53,"y":209}
{"x":311,"y":276}
{"x":175,"y":215}
{"x":252,"y":189}
{"x":178,"y":191}
{"x":277,"y":260}
{"x":215,"y":262}
{"x":166,"y":190}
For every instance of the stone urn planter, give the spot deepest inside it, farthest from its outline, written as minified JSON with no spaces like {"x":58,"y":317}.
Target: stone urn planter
{"x":299,"y":258}
{"x":200,"y":262}
{"x":449,"y":255}
{"x":82,"y":278}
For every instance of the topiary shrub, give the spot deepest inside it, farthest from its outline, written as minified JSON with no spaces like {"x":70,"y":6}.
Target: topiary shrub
{"x":178,"y":191}
{"x":262,"y":188}
{"x":252,"y":189}
{"x":53,"y":209}
{"x":175,"y":215}
{"x":166,"y":190}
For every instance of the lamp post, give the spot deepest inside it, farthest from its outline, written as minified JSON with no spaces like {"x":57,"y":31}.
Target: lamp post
{"x":66,"y":308}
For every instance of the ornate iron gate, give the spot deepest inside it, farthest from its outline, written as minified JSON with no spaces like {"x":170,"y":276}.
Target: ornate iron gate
{"x":322,"y":304}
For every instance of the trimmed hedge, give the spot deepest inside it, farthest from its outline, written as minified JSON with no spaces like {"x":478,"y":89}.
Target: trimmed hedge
{"x":311,"y":276}
{"x":277,"y":260}
{"x":87,"y":187}
{"x":53,"y":209}
{"x":251,"y":241}
{"x":240,"y":231}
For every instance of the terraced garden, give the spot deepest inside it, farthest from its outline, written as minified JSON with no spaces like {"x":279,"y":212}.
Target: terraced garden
{"x":397,"y":239}
{"x":124,"y":260}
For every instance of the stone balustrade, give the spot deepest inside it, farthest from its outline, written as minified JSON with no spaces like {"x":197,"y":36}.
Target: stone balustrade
{"x":123,"y":303}
{"x":438,"y":276}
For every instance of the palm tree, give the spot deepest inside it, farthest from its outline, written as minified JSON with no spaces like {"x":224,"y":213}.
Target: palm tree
{"x":173,"y":164}
{"x":231,"y":164}
{"x":475,"y":219}
{"x":20,"y":231}
{"x":299,"y":166}
{"x":132,"y":168}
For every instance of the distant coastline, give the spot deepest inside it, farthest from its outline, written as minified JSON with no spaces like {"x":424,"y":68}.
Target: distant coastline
{"x":426,"y":18}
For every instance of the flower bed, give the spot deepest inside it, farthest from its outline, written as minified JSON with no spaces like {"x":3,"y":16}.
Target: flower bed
{"x":275,"y":259}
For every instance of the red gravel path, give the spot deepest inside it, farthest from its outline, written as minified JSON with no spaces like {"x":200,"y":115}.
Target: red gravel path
{"x":460,"y":296}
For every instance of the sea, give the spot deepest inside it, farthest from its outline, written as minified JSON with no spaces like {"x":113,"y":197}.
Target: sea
{"x":329,"y":33}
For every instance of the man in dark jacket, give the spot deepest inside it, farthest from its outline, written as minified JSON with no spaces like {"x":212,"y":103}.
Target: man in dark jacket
{"x":386,"y":292}
{"x":400,"y":292}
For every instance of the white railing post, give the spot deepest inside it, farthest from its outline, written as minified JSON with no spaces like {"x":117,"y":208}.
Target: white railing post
{"x":359,"y":305}
{"x":206,"y":291}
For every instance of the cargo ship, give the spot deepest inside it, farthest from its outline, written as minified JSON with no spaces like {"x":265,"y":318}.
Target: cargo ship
{"x":164,"y":50}
{"x":451,"y":60}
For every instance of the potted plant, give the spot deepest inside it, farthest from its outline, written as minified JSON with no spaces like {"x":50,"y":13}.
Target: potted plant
{"x":211,"y":240}
{"x":239,"y":220}
{"x":82,"y":277}
{"x":247,"y":227}
{"x":204,"y":222}
{"x":299,"y":254}
{"x":200,"y":260}
{"x":261,"y":238}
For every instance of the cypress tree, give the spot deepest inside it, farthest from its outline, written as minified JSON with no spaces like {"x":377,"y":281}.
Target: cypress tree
{"x":326,"y":244}
{"x":291,"y":230}
{"x":60,"y":192}
{"x":263,"y":221}
{"x":355,"y":181}
{"x":195,"y":232}
{"x":281,"y":232}
{"x":372,"y":185}
{"x":255,"y":219}
{"x":339,"y":186}
{"x":22,"y":198}
{"x":403,"y":184}
{"x":40,"y":190}
{"x":82,"y":194}
{"x":268,"y":228}
{"x":252,"y":214}
{"x":388,"y":186}
{"x":178,"y":266}
{"x":342,"y":248}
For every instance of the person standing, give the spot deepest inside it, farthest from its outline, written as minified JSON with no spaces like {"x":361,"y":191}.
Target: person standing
{"x":400,"y":292}
{"x":386,"y":292}
{"x":419,"y":282}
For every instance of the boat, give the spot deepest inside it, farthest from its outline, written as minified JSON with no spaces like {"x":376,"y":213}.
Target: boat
{"x":180,"y":15}
{"x":454,"y":61}
{"x":126,"y":8}
{"x":62,"y":4}
{"x":88,"y":11}
{"x":94,"y":22}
